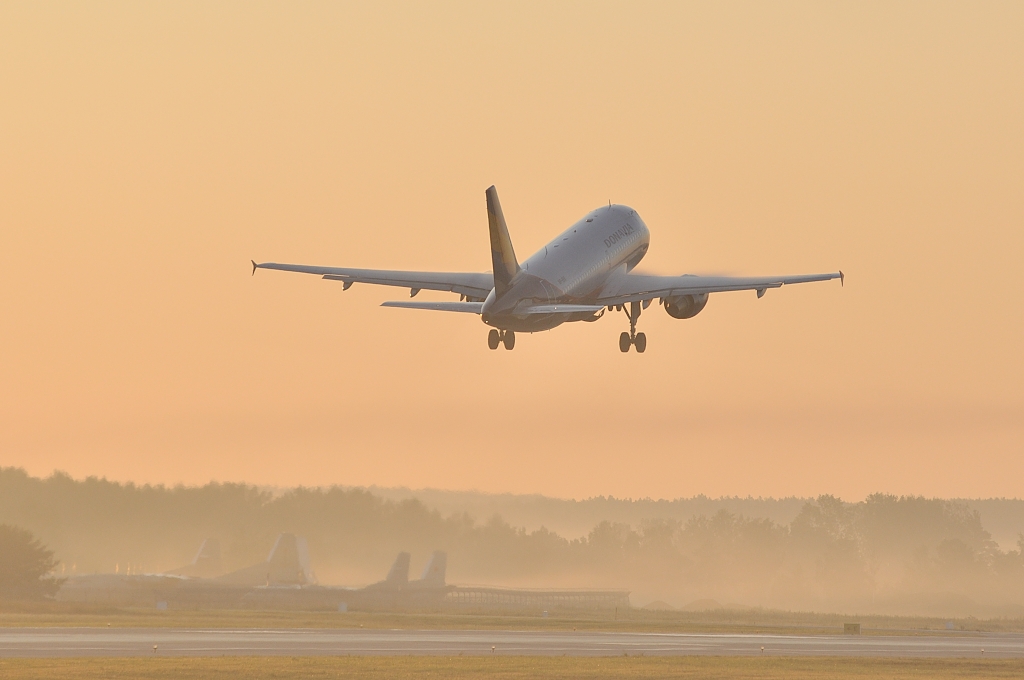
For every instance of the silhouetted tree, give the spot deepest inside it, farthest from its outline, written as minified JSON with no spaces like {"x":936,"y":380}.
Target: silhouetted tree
{"x":25,"y":566}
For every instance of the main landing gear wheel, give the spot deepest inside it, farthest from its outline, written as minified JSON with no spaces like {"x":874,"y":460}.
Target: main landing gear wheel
{"x":498,"y":337}
{"x":638,"y":340}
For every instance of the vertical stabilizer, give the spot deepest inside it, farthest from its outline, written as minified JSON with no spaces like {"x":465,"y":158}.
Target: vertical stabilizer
{"x":208,"y":560}
{"x":206,"y":564}
{"x":288,"y":563}
{"x":434,"y":573}
{"x":399,"y":573}
{"x":304,"y":562}
{"x":503,"y":257}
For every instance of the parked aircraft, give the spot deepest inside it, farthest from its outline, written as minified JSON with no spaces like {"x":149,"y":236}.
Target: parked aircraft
{"x":206,"y":564}
{"x":433,"y":575}
{"x":584,"y":271}
{"x":397,"y":578}
{"x":287,"y":564}
{"x":203,"y":583}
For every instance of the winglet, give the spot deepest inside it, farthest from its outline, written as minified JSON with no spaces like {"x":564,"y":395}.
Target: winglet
{"x":842,"y":279}
{"x":254,"y":265}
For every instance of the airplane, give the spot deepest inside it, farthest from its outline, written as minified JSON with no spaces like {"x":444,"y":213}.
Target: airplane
{"x":206,"y":564}
{"x":583,"y":272}
{"x":433,"y":576}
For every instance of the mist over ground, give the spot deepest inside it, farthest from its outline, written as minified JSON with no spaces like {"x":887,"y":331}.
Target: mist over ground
{"x":885,"y":554}
{"x":570,"y":518}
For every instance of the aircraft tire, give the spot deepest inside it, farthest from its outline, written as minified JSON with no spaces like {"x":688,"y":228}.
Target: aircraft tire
{"x":493,"y":339}
{"x":640,"y":342}
{"x":624,"y":342}
{"x":510,"y":339}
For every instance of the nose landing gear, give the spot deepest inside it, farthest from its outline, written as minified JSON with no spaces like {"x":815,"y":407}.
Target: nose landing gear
{"x":638,"y":340}
{"x":496,"y":337}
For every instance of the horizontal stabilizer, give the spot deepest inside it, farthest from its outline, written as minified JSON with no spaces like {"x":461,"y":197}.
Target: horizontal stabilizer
{"x":468,"y":307}
{"x":560,"y":309}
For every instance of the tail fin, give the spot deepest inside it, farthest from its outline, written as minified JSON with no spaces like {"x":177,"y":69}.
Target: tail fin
{"x":288,"y":563}
{"x":434,"y":572}
{"x":503,"y":257}
{"x":208,"y":557}
{"x":399,"y":570}
{"x":207,"y":562}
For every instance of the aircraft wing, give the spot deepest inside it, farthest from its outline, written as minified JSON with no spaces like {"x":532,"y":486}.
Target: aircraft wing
{"x":471,"y":285}
{"x":635,"y":287}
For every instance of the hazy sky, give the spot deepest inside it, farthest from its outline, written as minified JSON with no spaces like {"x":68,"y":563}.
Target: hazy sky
{"x":148,"y":151}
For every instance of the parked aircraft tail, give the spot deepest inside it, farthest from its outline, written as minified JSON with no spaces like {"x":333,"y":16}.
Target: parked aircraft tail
{"x":287,"y":565}
{"x":208,"y":557}
{"x":503,"y":257}
{"x":205,"y":564}
{"x":288,"y":562}
{"x":434,"y":572}
{"x":399,"y":574}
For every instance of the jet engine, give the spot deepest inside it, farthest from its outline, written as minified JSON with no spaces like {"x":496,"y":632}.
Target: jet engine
{"x":685,"y":306}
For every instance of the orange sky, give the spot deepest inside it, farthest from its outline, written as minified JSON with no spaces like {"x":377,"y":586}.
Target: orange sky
{"x":148,"y":151}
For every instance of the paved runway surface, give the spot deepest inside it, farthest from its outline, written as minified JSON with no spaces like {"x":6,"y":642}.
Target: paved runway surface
{"x":54,"y":642}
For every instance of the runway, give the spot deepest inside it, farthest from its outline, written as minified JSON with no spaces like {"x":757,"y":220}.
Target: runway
{"x":58,"y":642}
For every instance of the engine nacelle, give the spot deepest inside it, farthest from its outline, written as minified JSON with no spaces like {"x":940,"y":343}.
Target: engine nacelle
{"x":685,"y":306}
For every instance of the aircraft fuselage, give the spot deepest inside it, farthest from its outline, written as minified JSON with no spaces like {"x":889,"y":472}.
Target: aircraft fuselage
{"x":573,"y":268}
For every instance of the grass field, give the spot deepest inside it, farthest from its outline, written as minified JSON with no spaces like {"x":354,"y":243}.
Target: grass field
{"x":505,"y":668}
{"x":754,"y":621}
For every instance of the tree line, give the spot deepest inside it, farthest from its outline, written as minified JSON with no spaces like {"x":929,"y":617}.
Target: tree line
{"x":886,"y":554}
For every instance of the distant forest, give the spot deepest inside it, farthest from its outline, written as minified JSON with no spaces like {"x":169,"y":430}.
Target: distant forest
{"x":886,"y":554}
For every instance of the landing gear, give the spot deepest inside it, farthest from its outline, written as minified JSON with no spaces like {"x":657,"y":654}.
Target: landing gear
{"x":496,"y":337}
{"x":638,"y":340}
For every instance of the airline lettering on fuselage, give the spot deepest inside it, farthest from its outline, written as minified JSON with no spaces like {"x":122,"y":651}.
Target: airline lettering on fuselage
{"x":618,"y":235}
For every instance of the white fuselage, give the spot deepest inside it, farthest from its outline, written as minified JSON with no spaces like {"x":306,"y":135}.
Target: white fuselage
{"x":575,"y":267}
